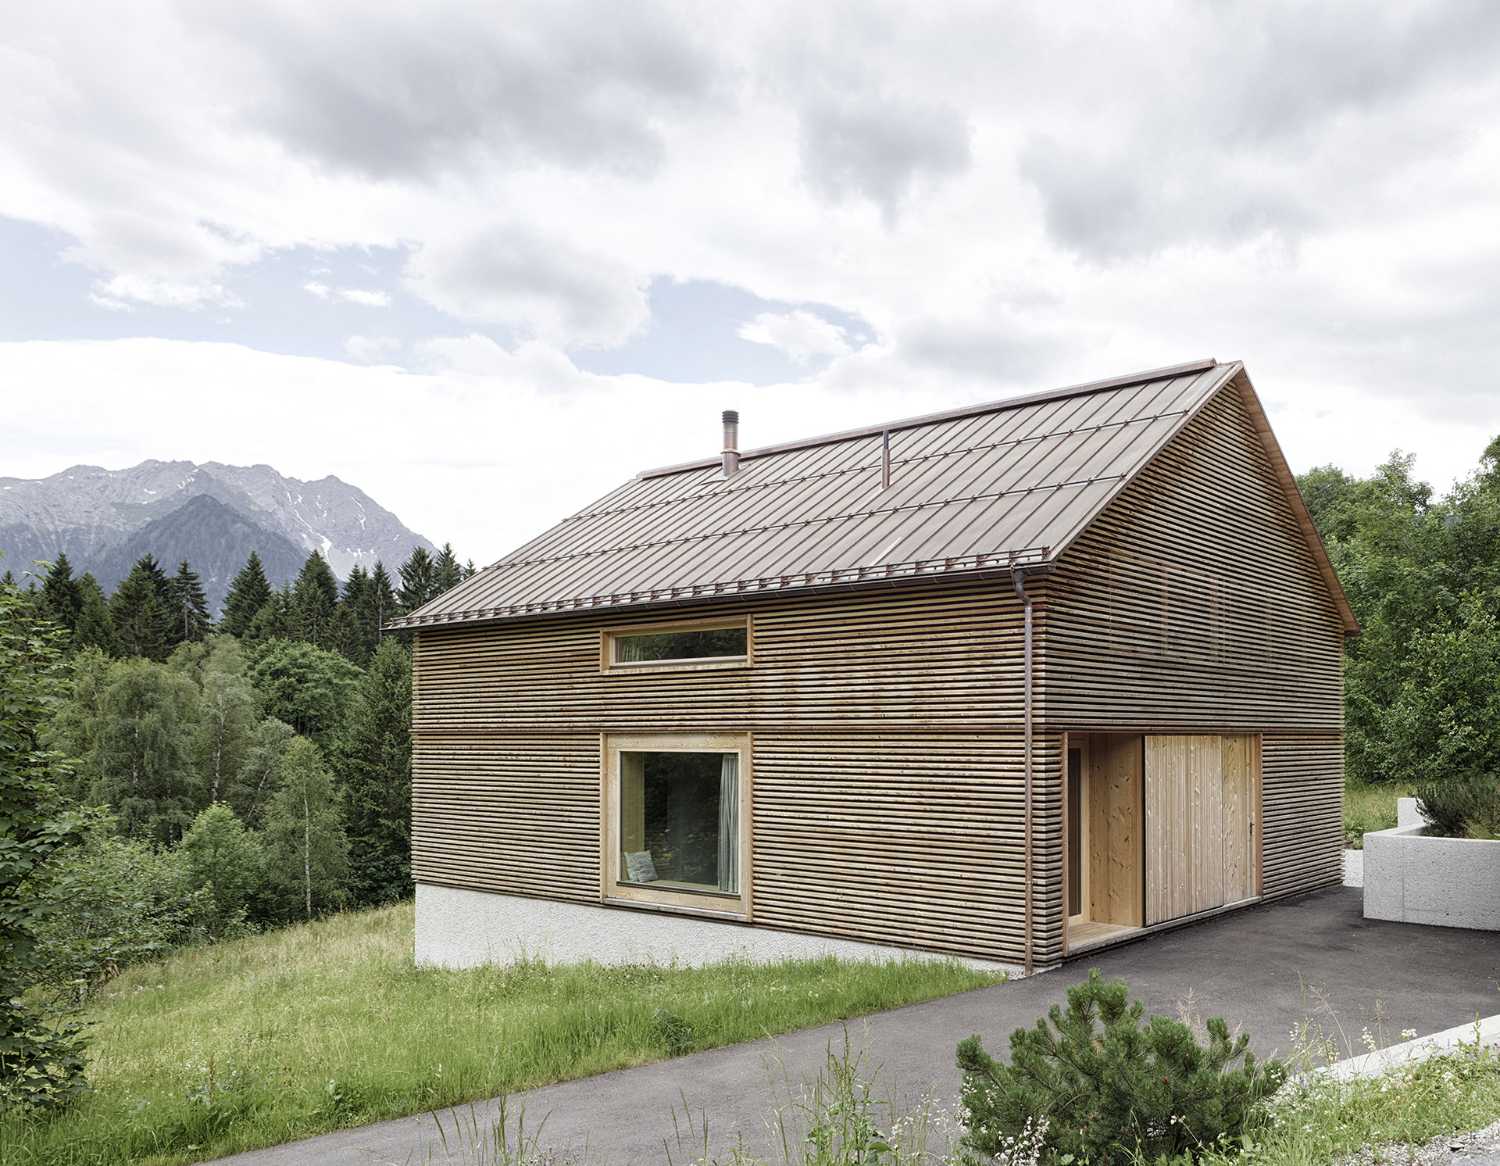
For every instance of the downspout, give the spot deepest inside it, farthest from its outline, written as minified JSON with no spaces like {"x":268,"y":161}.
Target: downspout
{"x":1018,"y":580}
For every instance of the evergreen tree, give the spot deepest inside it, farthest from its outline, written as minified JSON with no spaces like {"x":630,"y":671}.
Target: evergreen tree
{"x":417,"y":582}
{"x":94,"y":628}
{"x":274,"y":619}
{"x":382,"y":597}
{"x":304,"y":834}
{"x":314,"y":600}
{"x":248,"y":593}
{"x":61,"y":595}
{"x":373,"y":761}
{"x":346,"y":632}
{"x":447,"y":573}
{"x":366,"y":603}
{"x":140,"y":610}
{"x":189,"y":606}
{"x":469,"y":571}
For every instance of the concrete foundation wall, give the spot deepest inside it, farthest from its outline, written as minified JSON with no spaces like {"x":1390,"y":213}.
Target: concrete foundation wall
{"x":1445,"y":882}
{"x":463,"y":929}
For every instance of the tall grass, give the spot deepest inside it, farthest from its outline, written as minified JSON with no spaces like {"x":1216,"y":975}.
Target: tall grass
{"x":842,"y":1121}
{"x":262,"y":1040}
{"x":1369,"y":807}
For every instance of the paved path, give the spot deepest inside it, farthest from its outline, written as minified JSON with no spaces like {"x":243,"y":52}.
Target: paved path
{"x":1265,"y":968}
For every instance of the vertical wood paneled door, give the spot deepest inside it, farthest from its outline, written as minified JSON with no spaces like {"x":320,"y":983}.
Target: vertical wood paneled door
{"x":1199,"y":823}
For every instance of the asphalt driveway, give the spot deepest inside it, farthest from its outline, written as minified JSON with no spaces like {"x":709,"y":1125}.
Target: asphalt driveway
{"x":1265,"y":969}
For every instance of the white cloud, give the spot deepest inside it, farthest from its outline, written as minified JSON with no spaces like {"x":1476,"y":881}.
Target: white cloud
{"x":535,"y":286}
{"x":369,"y":298}
{"x":122,"y":292}
{"x":801,"y":335}
{"x":1012,"y":196}
{"x":372,"y":349}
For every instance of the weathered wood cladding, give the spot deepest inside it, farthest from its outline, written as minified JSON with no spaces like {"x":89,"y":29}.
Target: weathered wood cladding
{"x":887,"y":800}
{"x":1193,"y":601}
{"x":931,"y":654}
{"x":885,"y":721}
{"x":1302,"y":777}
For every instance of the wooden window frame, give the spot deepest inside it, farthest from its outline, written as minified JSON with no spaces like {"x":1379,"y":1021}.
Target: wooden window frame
{"x":611,"y":890}
{"x":609,"y":665}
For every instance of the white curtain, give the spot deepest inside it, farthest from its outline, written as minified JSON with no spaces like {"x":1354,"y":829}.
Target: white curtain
{"x":729,"y":824}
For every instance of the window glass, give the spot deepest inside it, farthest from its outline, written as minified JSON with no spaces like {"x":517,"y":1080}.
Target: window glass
{"x":696,"y":644}
{"x":679,"y":821}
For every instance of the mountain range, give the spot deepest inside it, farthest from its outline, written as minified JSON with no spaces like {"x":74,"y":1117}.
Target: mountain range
{"x":211,"y":514}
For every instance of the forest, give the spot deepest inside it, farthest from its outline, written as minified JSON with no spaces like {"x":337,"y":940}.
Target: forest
{"x":170,"y":779}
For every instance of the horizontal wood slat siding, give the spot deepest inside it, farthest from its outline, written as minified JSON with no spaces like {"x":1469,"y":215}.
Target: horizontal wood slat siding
{"x":518,"y":814}
{"x":887,"y":762}
{"x":1302,"y":807}
{"x":1193,"y":601}
{"x":929,"y":654}
{"x":913,"y":840}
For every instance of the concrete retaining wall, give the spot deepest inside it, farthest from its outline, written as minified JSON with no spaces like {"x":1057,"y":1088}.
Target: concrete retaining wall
{"x":463,"y":929}
{"x":1445,"y":882}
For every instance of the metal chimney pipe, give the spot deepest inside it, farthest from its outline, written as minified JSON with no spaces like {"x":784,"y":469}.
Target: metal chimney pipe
{"x":731,"y":443}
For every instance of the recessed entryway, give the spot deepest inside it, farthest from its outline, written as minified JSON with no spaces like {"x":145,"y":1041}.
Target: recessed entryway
{"x":1157,"y":827}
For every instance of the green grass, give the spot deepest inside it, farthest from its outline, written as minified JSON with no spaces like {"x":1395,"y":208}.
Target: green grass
{"x":1369,"y":807}
{"x":1407,"y":1107}
{"x":258,"y":1041}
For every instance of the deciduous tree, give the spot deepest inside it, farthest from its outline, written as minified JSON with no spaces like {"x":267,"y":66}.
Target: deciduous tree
{"x":307,"y":851}
{"x":40,"y":1066}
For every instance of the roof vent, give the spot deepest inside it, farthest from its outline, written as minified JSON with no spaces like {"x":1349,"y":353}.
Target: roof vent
{"x":731,"y":442}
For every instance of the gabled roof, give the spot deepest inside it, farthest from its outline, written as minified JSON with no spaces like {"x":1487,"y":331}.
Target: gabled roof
{"x":976,"y":490}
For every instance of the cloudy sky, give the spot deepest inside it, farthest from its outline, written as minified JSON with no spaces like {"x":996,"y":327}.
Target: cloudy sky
{"x":485,"y":262}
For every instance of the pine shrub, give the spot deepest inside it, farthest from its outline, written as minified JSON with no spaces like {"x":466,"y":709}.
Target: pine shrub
{"x":1463,"y":806}
{"x":1105,"y":1085}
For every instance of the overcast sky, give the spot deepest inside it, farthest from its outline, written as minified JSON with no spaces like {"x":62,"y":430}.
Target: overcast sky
{"x":486,"y":261}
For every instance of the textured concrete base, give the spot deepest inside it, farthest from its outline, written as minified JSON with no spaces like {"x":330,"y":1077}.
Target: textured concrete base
{"x":1354,"y":868}
{"x":463,"y":929}
{"x":1444,"y":882}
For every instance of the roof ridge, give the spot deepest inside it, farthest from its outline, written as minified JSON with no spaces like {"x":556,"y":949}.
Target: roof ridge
{"x":1078,"y":390}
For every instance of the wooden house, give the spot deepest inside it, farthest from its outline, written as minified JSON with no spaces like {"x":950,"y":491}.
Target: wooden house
{"x":1004,"y":683}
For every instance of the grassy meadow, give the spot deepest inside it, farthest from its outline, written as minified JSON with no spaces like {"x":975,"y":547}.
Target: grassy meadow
{"x":282,"y":1035}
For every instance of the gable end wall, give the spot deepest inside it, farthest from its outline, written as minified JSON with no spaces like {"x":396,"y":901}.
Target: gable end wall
{"x":1193,"y":604}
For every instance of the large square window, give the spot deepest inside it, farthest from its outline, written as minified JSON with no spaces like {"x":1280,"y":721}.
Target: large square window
{"x":676,"y":811}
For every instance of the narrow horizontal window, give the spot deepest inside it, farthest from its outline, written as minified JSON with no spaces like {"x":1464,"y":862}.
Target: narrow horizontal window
{"x":686,"y":645}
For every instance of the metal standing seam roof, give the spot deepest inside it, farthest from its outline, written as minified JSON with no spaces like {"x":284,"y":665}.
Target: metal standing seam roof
{"x":993,"y":486}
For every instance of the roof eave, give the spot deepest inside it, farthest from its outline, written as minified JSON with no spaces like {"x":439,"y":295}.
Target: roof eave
{"x":1036,"y":562}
